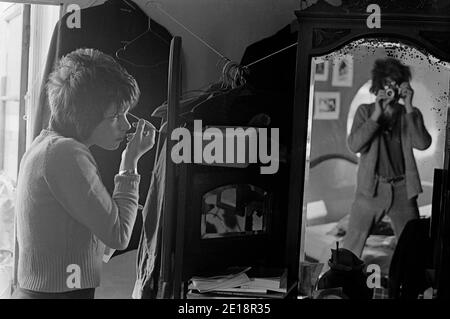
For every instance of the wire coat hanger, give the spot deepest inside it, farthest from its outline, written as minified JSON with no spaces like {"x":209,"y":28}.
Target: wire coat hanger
{"x":233,"y":74}
{"x":129,"y":4}
{"x":128,"y":43}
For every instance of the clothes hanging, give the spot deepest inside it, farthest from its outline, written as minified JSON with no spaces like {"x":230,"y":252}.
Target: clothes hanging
{"x":105,"y":27}
{"x":147,"y":285}
{"x":149,"y":251}
{"x":232,"y":107}
{"x":275,"y":75}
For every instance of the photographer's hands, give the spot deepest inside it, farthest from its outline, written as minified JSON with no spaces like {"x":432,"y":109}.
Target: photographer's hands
{"x":407,"y":93}
{"x":381,"y":102}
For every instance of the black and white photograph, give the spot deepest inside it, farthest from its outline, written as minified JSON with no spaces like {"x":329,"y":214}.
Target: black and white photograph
{"x":327,"y":105}
{"x":343,"y":71}
{"x":321,"y":70}
{"x":292,"y":150}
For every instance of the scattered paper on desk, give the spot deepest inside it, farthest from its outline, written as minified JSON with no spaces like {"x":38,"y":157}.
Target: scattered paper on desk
{"x":231,"y":277}
{"x":209,"y":284}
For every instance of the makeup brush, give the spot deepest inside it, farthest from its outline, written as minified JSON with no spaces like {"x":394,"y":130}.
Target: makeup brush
{"x":147,"y":123}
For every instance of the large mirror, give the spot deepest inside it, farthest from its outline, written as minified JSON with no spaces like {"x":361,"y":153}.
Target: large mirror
{"x":343,"y":136}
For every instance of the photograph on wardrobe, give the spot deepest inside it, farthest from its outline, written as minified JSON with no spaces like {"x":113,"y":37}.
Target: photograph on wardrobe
{"x":273,"y":149}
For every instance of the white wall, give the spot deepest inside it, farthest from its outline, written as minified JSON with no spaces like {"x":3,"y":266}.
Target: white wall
{"x":229,"y":26}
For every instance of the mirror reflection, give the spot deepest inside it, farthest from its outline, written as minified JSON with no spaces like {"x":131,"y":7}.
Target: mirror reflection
{"x":234,"y":210}
{"x":377,"y":131}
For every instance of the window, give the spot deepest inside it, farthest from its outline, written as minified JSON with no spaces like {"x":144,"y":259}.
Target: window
{"x":25,"y":33}
{"x":11,"y":23}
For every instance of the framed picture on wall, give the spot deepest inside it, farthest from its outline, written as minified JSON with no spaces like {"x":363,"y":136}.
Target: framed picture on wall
{"x":327,"y":105}
{"x":322,"y":66}
{"x":343,"y":71}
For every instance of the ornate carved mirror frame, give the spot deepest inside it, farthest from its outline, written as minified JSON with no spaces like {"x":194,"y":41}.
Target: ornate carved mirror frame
{"x":324,"y":28}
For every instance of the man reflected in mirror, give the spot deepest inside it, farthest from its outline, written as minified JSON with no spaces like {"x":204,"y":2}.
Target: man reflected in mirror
{"x":385,"y":134}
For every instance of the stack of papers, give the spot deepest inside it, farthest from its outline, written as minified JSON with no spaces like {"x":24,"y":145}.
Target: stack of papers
{"x":234,"y":277}
{"x":257,"y":282}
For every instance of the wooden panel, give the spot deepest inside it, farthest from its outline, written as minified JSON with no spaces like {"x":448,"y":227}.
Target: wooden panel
{"x":322,"y":32}
{"x":169,"y":210}
{"x":24,"y":82}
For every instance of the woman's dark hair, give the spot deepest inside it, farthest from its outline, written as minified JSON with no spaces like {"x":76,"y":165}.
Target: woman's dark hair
{"x":388,"y":67}
{"x":84,"y":85}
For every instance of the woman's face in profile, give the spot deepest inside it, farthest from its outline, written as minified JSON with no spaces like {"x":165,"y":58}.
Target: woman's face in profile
{"x":111,"y":131}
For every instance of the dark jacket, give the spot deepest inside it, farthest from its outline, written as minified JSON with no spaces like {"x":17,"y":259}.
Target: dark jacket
{"x":364,"y":139}
{"x":147,"y":285}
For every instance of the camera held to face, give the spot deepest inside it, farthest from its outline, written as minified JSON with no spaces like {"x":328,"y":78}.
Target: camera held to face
{"x":392,"y":91}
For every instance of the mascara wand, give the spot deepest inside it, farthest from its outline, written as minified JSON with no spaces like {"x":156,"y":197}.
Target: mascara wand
{"x":147,"y":123}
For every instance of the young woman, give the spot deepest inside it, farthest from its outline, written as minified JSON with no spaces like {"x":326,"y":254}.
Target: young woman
{"x":65,"y":216}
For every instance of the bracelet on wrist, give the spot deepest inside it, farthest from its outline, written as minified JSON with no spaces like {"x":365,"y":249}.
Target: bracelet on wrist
{"x":129,"y":172}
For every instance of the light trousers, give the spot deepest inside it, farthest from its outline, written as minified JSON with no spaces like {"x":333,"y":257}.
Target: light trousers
{"x":390,"y":199}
